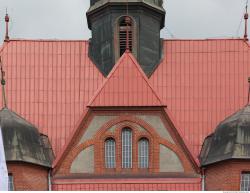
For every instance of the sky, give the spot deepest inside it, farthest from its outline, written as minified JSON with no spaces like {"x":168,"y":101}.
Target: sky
{"x":66,"y":19}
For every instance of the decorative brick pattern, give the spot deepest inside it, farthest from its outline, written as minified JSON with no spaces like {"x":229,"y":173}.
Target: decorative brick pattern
{"x":225,"y":176}
{"x":28,"y":177}
{"x":137,"y":135}
{"x":124,"y":119}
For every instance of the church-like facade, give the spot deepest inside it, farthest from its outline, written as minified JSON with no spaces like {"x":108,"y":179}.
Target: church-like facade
{"x":126,"y":109}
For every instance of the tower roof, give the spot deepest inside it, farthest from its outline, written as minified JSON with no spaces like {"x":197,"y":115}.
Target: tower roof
{"x":23,"y":142}
{"x":156,"y":4}
{"x":231,"y":139}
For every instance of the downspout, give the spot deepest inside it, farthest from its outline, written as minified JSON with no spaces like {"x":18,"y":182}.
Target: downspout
{"x":203,"y":177}
{"x":49,"y":180}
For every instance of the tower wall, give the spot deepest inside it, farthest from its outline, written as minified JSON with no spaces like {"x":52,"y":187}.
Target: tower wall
{"x":148,"y":21}
{"x":28,"y":177}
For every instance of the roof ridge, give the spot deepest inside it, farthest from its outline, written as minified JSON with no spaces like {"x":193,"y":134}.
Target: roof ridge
{"x":125,"y":57}
{"x":145,"y":77}
{"x":105,"y":82}
{"x":47,"y":40}
{"x":205,"y":39}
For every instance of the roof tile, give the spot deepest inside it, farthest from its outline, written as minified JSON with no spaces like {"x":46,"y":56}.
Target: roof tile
{"x":126,"y":86}
{"x":202,"y":82}
{"x":50,"y":83}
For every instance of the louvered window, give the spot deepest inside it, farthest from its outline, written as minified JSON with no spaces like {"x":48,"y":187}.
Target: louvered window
{"x":110,"y":153}
{"x":126,"y":148}
{"x":143,"y":153}
{"x":125,"y":28}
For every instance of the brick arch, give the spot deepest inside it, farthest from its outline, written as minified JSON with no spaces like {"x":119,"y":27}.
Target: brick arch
{"x":137,"y":134}
{"x":150,"y":134}
{"x":124,"y":118}
{"x":65,"y":167}
{"x":153,"y":142}
{"x":119,"y":123}
{"x":181,"y":155}
{"x":109,"y":136}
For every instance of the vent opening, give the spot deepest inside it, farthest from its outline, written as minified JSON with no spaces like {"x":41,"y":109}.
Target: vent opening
{"x":125,"y":27}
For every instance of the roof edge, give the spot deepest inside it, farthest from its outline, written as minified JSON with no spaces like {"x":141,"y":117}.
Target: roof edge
{"x":48,"y":40}
{"x":205,"y":39}
{"x":185,"y":143}
{"x":63,"y":152}
{"x":36,"y":164}
{"x":164,"y":39}
{"x":224,"y":160}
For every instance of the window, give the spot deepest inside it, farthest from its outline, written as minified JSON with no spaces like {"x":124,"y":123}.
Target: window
{"x":110,"y":153}
{"x":245,"y":181}
{"x":126,"y":148}
{"x":125,"y":26}
{"x":10,"y":183}
{"x":143,"y":153}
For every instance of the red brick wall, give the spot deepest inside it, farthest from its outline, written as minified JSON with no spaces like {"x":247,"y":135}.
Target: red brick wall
{"x":225,"y":175}
{"x":28,"y":176}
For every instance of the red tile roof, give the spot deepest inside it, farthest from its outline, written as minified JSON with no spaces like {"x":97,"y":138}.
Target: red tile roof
{"x":201,"y":81}
{"x":50,"y":83}
{"x":126,"y":86}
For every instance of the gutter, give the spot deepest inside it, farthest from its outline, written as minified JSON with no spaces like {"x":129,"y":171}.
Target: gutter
{"x":203,"y":177}
{"x":49,"y":180}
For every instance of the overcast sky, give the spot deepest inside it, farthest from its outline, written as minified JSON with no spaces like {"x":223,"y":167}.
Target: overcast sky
{"x":65,"y":19}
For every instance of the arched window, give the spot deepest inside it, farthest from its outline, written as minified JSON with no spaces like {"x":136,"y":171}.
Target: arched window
{"x":125,"y":26}
{"x":110,"y":153}
{"x":143,"y":149}
{"x":126,"y":148}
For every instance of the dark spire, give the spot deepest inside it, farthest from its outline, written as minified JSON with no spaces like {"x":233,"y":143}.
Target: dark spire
{"x":246,"y":21}
{"x":3,"y":82}
{"x":7,"y":19}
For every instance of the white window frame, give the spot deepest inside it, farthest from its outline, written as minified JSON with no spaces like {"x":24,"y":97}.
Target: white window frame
{"x":110,"y":153}
{"x":127,"y":148}
{"x":143,"y":153}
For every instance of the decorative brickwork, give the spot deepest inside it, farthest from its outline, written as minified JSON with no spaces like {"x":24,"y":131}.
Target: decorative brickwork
{"x":225,"y":176}
{"x":123,"y":119}
{"x":28,"y":177}
{"x":121,"y":123}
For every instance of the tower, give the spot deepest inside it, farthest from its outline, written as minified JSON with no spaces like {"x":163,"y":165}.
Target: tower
{"x":107,"y":21}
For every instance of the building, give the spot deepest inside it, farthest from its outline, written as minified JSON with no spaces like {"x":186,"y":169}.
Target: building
{"x":127,"y":110}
